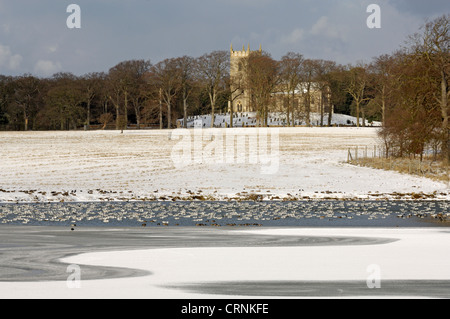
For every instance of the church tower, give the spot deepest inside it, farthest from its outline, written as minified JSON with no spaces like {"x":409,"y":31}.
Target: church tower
{"x":240,"y":96}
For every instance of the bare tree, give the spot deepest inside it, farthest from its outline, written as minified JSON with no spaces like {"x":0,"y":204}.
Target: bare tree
{"x":128,"y":85}
{"x":290,"y":78}
{"x":167,"y":76}
{"x":115,"y":92}
{"x":336,"y":79}
{"x":138,"y":88}
{"x":309,"y":74}
{"x":64,"y":100}
{"x":357,"y":86}
{"x":323,"y":69}
{"x":26,"y":93}
{"x":214,"y":72}
{"x":91,"y":86}
{"x":382,"y":69}
{"x":434,"y":45}
{"x":188,"y":81}
{"x":262,"y":79}
{"x":6,"y":93}
{"x":412,"y":120}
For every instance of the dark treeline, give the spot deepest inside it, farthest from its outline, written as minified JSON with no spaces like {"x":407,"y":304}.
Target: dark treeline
{"x":412,"y":89}
{"x":407,"y":91}
{"x":133,"y":93}
{"x":139,"y":94}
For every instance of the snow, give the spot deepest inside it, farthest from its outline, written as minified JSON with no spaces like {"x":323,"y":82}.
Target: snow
{"x":306,"y":162}
{"x":106,"y":165}
{"x":415,"y":254}
{"x":249,"y":119}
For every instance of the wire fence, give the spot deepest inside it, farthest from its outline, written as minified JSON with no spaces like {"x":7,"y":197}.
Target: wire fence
{"x":377,"y":157}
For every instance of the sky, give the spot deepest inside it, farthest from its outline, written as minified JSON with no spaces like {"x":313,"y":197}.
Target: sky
{"x":35,"y":38}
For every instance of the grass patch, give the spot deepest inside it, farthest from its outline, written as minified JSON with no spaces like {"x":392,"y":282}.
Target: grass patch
{"x":435,"y":170}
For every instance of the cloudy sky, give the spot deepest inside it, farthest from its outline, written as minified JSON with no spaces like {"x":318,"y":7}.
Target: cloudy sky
{"x":34,"y":37}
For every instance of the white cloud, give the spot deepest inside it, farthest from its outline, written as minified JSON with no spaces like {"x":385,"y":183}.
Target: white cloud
{"x":47,"y":68}
{"x":324,"y":28}
{"x":9,"y":60}
{"x":340,"y":32}
{"x":295,"y":36}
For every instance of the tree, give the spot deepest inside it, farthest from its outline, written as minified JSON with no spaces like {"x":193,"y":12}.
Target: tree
{"x":214,"y":72}
{"x":127,"y":84}
{"x":105,"y":118}
{"x":138,"y":88}
{"x":309,"y":74}
{"x":6,"y":93}
{"x":26,"y":96}
{"x":382,"y":69}
{"x":323,"y":69}
{"x":411,"y":121}
{"x":339,"y":98}
{"x":290,"y":78}
{"x":114,"y":92}
{"x":433,"y":44}
{"x":188,"y":81}
{"x":64,"y":100}
{"x":357,"y":86}
{"x":167,"y":77}
{"x":262,"y":79}
{"x":91,"y":84}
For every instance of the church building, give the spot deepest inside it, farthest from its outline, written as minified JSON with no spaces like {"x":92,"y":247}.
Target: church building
{"x":319,"y":94}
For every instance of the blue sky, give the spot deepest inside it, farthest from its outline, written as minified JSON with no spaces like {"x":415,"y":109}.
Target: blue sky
{"x":34,"y":37}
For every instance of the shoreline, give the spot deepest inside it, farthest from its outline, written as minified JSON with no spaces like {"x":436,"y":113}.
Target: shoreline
{"x":201,"y":197}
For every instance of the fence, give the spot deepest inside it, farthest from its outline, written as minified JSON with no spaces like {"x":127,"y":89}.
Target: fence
{"x":377,"y":157}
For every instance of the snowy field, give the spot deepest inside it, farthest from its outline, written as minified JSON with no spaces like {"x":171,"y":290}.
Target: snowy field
{"x":298,"y":163}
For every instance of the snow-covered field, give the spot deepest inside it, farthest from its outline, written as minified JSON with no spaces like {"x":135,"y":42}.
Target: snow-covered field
{"x":106,"y":165}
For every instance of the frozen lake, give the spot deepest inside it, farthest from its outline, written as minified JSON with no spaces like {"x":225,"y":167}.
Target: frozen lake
{"x":199,"y":263}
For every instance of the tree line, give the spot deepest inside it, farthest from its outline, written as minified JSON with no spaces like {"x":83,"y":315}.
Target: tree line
{"x":138,"y":93}
{"x":407,"y":91}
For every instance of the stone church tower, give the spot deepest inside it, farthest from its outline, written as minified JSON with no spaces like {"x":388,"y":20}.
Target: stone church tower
{"x":319,"y":95}
{"x":240,"y":97}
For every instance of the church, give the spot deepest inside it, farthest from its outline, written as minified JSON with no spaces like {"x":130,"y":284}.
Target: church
{"x":319,"y":94}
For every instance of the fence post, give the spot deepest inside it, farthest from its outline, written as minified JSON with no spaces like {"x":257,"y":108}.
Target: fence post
{"x":349,"y":156}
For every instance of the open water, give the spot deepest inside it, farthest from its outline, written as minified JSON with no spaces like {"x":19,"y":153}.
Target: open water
{"x":231,"y":214}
